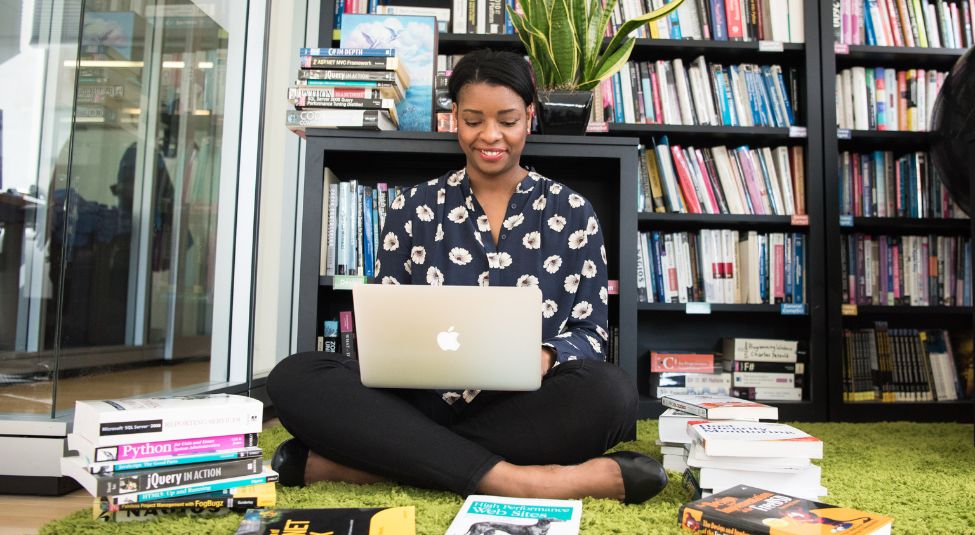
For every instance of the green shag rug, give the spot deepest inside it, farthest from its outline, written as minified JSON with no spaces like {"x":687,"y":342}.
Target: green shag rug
{"x":922,"y":475}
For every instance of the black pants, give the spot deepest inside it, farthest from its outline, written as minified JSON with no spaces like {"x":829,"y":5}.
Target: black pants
{"x":414,"y":437}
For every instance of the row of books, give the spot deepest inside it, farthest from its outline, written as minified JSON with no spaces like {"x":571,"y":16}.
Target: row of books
{"x":749,"y":368}
{"x":881,"y":184}
{"x":718,"y":180}
{"x":916,"y":23}
{"x":352,"y":216}
{"x":721,"y":266}
{"x":670,"y":92}
{"x":145,"y":457}
{"x":338,"y":335}
{"x":720,"y":442}
{"x":886,"y":99}
{"x":720,"y":20}
{"x":906,"y":270}
{"x":347,"y":88}
{"x":891,"y":365}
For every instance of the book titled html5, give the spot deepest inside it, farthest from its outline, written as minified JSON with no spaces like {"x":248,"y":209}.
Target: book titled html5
{"x":129,"y":421}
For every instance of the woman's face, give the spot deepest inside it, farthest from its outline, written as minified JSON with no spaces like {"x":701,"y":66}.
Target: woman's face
{"x":492,"y":124}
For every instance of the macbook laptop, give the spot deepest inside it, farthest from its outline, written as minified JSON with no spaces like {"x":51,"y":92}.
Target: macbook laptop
{"x":448,"y":337}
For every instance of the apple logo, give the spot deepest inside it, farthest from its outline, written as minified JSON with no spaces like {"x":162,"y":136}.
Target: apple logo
{"x":447,"y":340}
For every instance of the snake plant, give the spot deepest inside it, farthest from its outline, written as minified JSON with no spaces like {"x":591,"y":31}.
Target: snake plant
{"x":564,"y":40}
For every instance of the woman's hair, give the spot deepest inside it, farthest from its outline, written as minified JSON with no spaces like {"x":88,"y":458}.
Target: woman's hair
{"x":494,"y":68}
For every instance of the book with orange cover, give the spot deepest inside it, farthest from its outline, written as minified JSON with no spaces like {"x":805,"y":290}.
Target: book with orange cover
{"x":746,"y":510}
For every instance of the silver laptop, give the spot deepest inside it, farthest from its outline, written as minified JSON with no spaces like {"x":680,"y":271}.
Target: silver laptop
{"x":448,"y":337}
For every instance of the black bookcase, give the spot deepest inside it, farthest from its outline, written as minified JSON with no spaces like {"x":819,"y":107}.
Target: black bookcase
{"x":835,"y":58}
{"x":647,"y":326}
{"x":667,"y":326}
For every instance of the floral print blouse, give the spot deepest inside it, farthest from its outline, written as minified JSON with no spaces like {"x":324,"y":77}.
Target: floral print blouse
{"x":436,"y":233}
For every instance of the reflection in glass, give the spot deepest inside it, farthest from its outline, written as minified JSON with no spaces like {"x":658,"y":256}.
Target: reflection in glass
{"x":109,"y":251}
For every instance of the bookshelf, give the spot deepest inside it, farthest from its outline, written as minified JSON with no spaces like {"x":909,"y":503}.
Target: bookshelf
{"x":667,"y":325}
{"x":836,"y":57}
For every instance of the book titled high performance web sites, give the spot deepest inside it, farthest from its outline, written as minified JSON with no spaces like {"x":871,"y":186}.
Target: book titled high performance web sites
{"x":144,"y":457}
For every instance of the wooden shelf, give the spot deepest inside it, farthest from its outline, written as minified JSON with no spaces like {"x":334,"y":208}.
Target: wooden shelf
{"x":716,"y":308}
{"x":906,"y":310}
{"x":924,"y":411}
{"x":684,"y":221}
{"x":706,"y":135}
{"x":899,"y":56}
{"x":907,"y":225}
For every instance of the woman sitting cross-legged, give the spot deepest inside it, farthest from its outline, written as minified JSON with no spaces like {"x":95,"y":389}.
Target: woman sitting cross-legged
{"x":492,"y":223}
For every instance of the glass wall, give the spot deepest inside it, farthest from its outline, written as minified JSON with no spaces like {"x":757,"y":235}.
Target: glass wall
{"x":118,"y":125}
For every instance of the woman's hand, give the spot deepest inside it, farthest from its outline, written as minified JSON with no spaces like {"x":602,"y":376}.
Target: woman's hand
{"x":548,"y":360}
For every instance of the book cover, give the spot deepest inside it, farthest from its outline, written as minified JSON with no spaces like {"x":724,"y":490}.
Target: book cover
{"x":496,"y":514}
{"x":744,"y":509}
{"x":415,"y":40}
{"x":129,"y":421}
{"x":347,"y":521}
{"x":720,"y":407}
{"x":145,"y":451}
{"x":754,"y":439}
{"x":662,"y":361}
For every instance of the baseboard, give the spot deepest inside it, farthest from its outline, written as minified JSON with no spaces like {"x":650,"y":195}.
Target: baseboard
{"x":37,"y":485}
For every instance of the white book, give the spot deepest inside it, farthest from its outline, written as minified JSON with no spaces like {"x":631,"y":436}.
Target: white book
{"x":127,"y":421}
{"x":723,"y":478}
{"x":931,"y":21}
{"x":811,"y":493}
{"x":760,"y":349}
{"x":703,"y":74}
{"x":498,"y":514}
{"x":329,"y":179}
{"x":784,"y":173}
{"x":776,"y":192}
{"x":667,"y":448}
{"x":840,"y":102}
{"x":690,"y":20}
{"x":333,"y":206}
{"x":755,"y":439}
{"x":672,"y":426}
{"x":459,"y":22}
{"x":701,"y":104}
{"x":739,"y":95}
{"x":776,"y":393}
{"x":797,"y":21}
{"x":707,"y":262}
{"x":849,"y":117}
{"x":674,"y":463}
{"x":890,"y":84}
{"x":729,"y":184}
{"x":861,"y":114}
{"x":778,"y":12}
{"x":626,"y":88}
{"x":785,"y":465}
{"x":683,"y":93}
{"x":138,"y":455}
{"x":665,"y":105}
{"x":921,"y":124}
{"x":941,"y":369}
{"x":727,"y":238}
{"x":721,"y":407}
{"x":932,"y":96}
{"x":767,"y":379}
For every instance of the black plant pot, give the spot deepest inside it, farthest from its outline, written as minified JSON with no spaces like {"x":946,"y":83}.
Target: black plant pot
{"x":564,"y":112}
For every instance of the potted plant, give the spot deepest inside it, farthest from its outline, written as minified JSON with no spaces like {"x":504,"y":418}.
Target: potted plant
{"x":564,"y":41}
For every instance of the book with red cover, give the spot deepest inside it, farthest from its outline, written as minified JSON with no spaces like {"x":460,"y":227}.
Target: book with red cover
{"x":744,"y":509}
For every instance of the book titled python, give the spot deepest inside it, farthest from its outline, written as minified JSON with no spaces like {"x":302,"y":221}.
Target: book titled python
{"x":746,"y":510}
{"x":347,"y":521}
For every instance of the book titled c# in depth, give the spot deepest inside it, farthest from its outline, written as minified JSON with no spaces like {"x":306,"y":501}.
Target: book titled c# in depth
{"x":497,"y":514}
{"x":128,"y":421}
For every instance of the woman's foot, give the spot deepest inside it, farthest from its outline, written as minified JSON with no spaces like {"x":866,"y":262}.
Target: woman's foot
{"x":319,"y":468}
{"x":298,"y":466}
{"x":624,"y":476}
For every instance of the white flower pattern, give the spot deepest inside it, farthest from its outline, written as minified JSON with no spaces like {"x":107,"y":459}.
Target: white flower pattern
{"x":588,"y":269}
{"x":578,"y":239}
{"x":513,"y":221}
{"x":556,"y":223}
{"x":527,"y":280}
{"x":576,"y":200}
{"x":390,"y":242}
{"x":434,"y":276}
{"x":418,"y":255}
{"x":458,"y":215}
{"x":532,"y":240}
{"x":460,"y":256}
{"x":424,"y":213}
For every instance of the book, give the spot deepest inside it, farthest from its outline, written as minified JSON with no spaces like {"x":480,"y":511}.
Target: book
{"x":156,"y":478}
{"x":415,"y":40}
{"x":661,"y":361}
{"x":131,"y":421}
{"x":760,"y":350}
{"x":496,"y":514}
{"x":744,"y":509}
{"x":754,"y":439}
{"x":177,"y":460}
{"x":442,"y":14}
{"x":347,"y":52}
{"x":220,"y":486}
{"x":347,"y":521}
{"x":698,"y":459}
{"x":804,"y":482}
{"x":347,"y":334}
{"x":158,"y":450}
{"x":298,"y":120}
{"x":720,"y":407}
{"x":240,"y":500}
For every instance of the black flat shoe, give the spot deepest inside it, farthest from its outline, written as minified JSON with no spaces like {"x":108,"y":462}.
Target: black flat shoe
{"x":643,"y":477}
{"x":289,"y":462}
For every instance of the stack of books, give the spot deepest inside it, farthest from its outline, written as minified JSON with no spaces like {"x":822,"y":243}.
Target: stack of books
{"x":147,"y":457}
{"x":355,"y":88}
{"x":683,"y":373}
{"x":878,"y":98}
{"x":720,"y":442}
{"x":764,"y":369}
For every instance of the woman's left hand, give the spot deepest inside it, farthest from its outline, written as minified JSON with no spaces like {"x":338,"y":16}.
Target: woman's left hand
{"x":548,"y":360}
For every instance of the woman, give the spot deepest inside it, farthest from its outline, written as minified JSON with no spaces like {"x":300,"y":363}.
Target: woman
{"x":492,"y":223}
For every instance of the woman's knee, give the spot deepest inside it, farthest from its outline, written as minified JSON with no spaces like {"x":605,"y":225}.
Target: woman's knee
{"x":606,"y":386}
{"x":287,"y":376}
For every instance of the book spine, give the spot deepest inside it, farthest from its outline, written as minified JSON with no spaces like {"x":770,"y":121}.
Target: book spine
{"x":160,"y":479}
{"x":112,"y":467}
{"x":347,"y":334}
{"x":225,"y":485}
{"x":368,"y":238}
{"x":165,"y":448}
{"x":354,"y":63}
{"x":345,"y":103}
{"x":348,"y":76}
{"x":347,"y":52}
